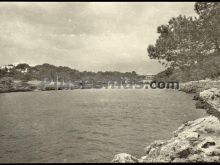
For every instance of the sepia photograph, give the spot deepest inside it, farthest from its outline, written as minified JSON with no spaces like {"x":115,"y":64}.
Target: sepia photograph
{"x":109,"y":82}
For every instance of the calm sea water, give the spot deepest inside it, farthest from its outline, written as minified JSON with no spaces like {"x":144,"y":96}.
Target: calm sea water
{"x":88,"y":125}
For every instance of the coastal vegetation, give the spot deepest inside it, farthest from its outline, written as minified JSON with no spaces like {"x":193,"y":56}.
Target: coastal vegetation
{"x":25,"y":72}
{"x":189,"y":46}
{"x":18,"y":77}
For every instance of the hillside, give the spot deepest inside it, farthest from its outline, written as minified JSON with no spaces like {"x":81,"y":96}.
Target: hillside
{"x":25,"y":72}
{"x":209,"y":67}
{"x":23,"y":77}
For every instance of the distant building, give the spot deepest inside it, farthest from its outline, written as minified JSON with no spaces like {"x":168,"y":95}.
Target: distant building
{"x":149,"y":76}
{"x":23,"y":70}
{"x":8,"y":67}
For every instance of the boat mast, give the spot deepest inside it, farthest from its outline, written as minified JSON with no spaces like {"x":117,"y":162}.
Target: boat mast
{"x":57,"y":83}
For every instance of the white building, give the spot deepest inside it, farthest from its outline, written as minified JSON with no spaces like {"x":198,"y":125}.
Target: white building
{"x":8,"y":67}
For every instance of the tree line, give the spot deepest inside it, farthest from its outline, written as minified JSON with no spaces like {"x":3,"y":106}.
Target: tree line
{"x":189,"y":46}
{"x":26,"y":73}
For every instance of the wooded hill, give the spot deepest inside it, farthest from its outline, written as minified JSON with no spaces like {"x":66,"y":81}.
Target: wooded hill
{"x":25,"y":72}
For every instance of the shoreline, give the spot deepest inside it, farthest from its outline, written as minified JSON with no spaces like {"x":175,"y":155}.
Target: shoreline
{"x":109,"y":88}
{"x":193,"y":141}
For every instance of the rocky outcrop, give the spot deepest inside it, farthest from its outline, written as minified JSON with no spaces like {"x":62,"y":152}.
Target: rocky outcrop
{"x":124,"y":158}
{"x":194,"y":141}
{"x":211,"y":97}
{"x":199,"y":86}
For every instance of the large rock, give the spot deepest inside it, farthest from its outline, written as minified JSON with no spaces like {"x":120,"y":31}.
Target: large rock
{"x":212,"y":97}
{"x":124,"y":158}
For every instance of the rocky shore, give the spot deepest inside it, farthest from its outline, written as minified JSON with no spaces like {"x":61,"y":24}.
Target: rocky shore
{"x":194,"y":141}
{"x":199,"y":86}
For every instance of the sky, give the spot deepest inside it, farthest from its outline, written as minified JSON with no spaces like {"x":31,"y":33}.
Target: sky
{"x":92,"y":36}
